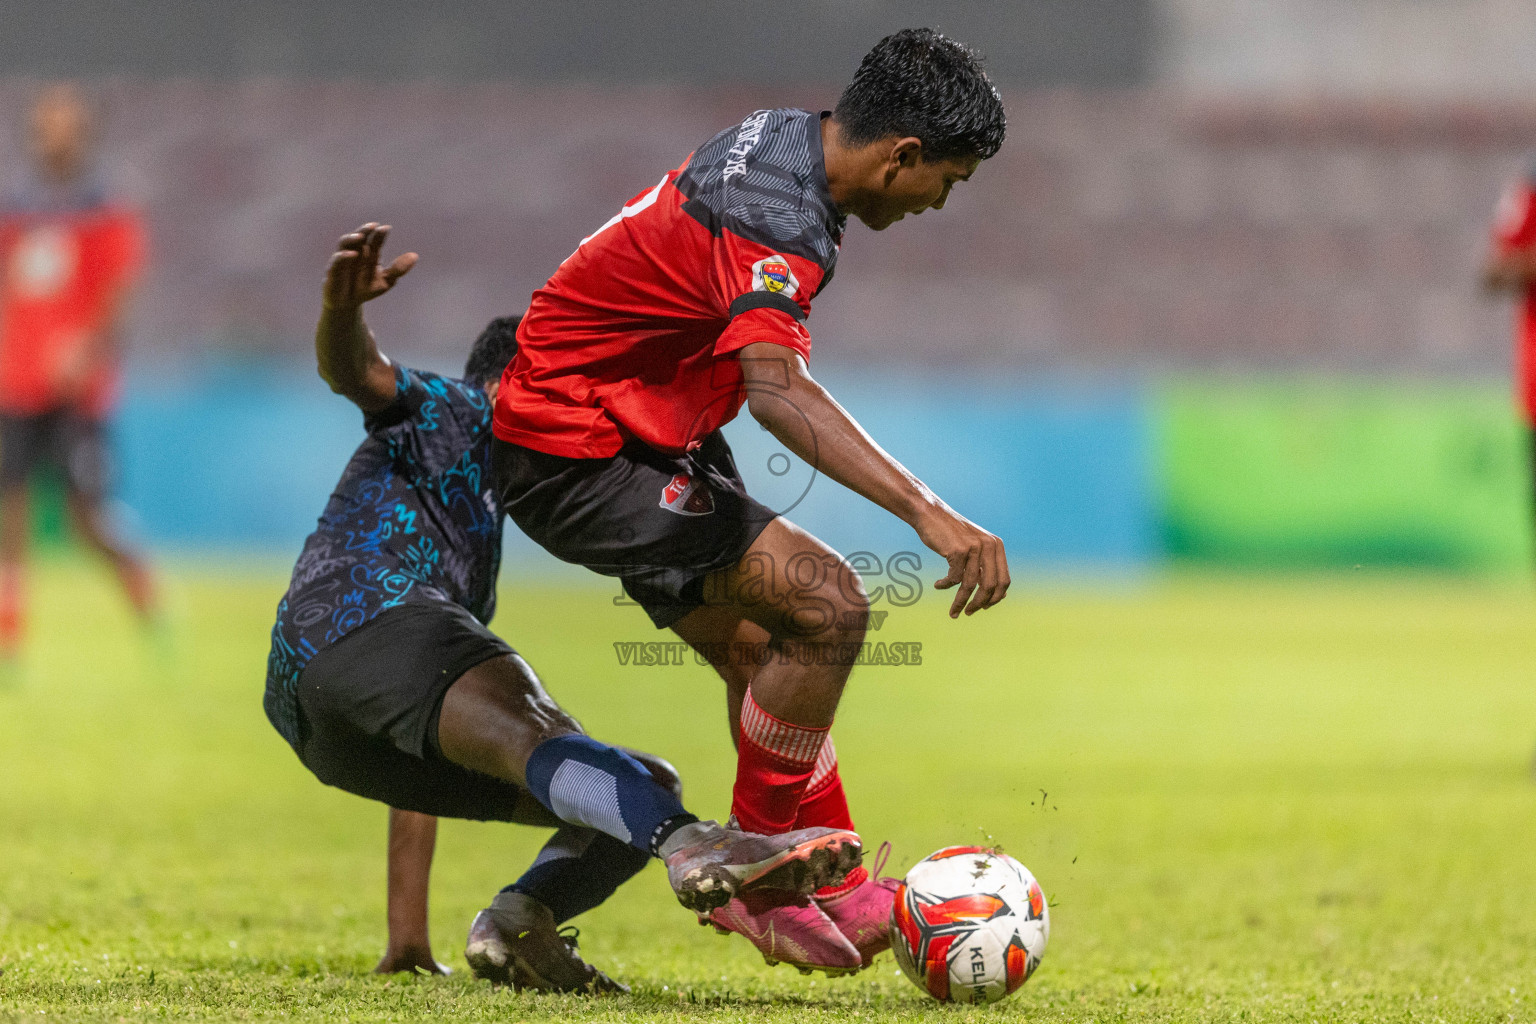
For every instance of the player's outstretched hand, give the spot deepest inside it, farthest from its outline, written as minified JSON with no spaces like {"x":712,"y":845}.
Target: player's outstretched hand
{"x":354,"y":275}
{"x":978,"y":566}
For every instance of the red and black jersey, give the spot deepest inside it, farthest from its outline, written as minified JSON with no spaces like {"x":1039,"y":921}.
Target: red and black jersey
{"x":635,"y":335}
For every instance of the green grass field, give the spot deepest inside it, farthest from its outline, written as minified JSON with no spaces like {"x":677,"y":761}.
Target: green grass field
{"x":1246,"y":799}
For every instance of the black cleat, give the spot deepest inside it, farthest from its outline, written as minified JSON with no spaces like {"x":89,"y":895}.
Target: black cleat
{"x":514,"y":942}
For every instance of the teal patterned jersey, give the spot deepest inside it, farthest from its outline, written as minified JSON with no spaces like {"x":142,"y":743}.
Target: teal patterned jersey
{"x":414,"y":518}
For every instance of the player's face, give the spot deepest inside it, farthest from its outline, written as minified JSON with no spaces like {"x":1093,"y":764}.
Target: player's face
{"x":914,"y":185}
{"x":60,"y":133}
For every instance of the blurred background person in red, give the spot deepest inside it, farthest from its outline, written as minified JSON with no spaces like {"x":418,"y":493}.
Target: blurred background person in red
{"x":1511,"y":267}
{"x":68,"y":261}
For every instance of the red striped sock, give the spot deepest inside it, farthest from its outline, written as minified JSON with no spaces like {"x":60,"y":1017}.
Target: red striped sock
{"x":774,"y":762}
{"x":826,"y":805}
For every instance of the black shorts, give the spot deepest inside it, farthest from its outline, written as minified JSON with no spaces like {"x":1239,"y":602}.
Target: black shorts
{"x":660,"y":523}
{"x":369,"y":706}
{"x":73,"y":444}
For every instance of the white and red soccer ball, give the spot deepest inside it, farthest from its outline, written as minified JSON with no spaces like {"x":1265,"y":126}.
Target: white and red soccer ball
{"x":970,"y":925}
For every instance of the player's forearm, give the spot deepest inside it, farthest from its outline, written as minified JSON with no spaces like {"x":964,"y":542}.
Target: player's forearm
{"x":349,"y":359}
{"x":346,"y":353}
{"x":1510,"y":271}
{"x":412,"y":839}
{"x":809,"y":422}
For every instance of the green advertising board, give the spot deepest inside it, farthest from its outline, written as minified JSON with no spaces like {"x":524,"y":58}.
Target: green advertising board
{"x":1342,"y":473}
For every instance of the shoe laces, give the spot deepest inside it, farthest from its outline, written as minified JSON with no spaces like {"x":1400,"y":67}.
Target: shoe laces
{"x":881,"y":856}
{"x":570,"y":933}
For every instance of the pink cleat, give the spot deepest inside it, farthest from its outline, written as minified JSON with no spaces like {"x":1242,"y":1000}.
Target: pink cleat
{"x":862,"y":912}
{"x":708,"y":865}
{"x":789,"y":929}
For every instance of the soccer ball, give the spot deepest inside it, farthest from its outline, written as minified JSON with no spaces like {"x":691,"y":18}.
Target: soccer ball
{"x":970,"y":925}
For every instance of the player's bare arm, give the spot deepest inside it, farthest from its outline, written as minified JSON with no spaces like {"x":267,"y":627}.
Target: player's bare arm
{"x":784,"y":398}
{"x":1510,"y":271}
{"x":345,"y":349}
{"x":412,"y":840}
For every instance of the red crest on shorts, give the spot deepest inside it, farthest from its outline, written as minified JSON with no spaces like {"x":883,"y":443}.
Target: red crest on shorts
{"x":687,"y":497}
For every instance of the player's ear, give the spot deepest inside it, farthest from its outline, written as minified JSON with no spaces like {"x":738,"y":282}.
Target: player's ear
{"x":907,"y":152}
{"x":903,"y":155}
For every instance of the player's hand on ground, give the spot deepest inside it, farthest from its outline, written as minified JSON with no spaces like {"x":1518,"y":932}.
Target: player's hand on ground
{"x":354,"y":275}
{"x":978,"y":566}
{"x":411,"y":959}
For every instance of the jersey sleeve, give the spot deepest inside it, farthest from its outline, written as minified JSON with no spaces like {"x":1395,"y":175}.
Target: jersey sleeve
{"x":430,"y":402}
{"x":1514,"y":227}
{"x":417,"y":398}
{"x":766,"y":294}
{"x":770,"y":325}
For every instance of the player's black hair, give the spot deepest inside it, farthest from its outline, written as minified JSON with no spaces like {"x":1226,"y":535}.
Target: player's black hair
{"x":919,"y":83}
{"x":492,"y":351}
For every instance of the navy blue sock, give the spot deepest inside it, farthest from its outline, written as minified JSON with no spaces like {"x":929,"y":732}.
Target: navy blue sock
{"x":578,"y":869}
{"x":585,"y":782}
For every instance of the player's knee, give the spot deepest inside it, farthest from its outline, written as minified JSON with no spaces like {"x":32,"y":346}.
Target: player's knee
{"x":549,"y":720}
{"x":502,"y":701}
{"x":830,"y":607}
{"x":522,"y":695}
{"x":661,"y":770}
{"x":851,"y":601}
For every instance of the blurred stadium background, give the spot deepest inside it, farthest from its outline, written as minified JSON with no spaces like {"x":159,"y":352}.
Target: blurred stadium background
{"x":1215,"y":301}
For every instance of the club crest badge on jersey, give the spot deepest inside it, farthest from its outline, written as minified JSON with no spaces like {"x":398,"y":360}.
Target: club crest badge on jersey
{"x":687,"y":496}
{"x":772,"y":274}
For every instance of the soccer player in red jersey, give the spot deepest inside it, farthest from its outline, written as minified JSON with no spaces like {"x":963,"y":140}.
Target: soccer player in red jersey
{"x":68,"y":259}
{"x":690,"y":302}
{"x":1511,"y":267}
